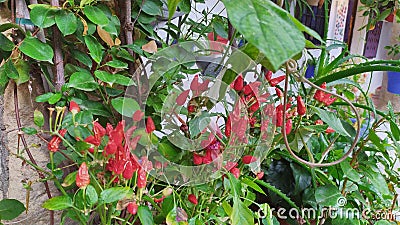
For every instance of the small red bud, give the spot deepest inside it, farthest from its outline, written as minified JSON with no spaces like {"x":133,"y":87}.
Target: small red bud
{"x":150,"y":127}
{"x":192,"y":198}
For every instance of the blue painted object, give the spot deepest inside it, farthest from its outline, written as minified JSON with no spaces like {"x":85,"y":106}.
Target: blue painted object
{"x":310,"y":71}
{"x":393,"y":82}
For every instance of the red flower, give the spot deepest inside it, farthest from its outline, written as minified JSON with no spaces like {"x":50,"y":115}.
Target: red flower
{"x":159,"y":200}
{"x":260,"y":175}
{"x":254,"y":107}
{"x":268,"y":75}
{"x":301,"y":107}
{"x":141,"y":178}
{"x":181,"y":99}
{"x":288,"y":126}
{"x":324,"y":97}
{"x":54,"y":143}
{"x":192,"y":198}
{"x":247,"y":159}
{"x":228,"y":127}
{"x":128,"y":171}
{"x":238,"y":83}
{"x":278,"y":92}
{"x":279,"y":115}
{"x":236,"y":172}
{"x":74,"y":108}
{"x":319,"y":122}
{"x":150,"y":127}
{"x":197,"y":159}
{"x":138,"y":115}
{"x":82,"y":177}
{"x":329,"y":130}
{"x":275,"y":81}
{"x":132,"y":208}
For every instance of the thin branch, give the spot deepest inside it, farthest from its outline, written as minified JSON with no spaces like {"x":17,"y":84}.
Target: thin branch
{"x":28,"y":152}
{"x":58,"y":56}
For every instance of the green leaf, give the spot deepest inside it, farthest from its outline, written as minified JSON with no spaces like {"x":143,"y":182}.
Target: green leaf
{"x":172,"y":4}
{"x":96,"y":108}
{"x":95,"y":48}
{"x":253,"y":185}
{"x":327,"y":195}
{"x":332,"y":120}
{"x":10,"y":70}
{"x":268,"y":27}
{"x":3,"y":79}
{"x":42,"y":15}
{"x":55,"y":98}
{"x":152,"y":7}
{"x":241,"y":215}
{"x":5,"y":43}
{"x":145,"y":215}
{"x":394,"y":128}
{"x":125,"y":106}
{"x":117,"y":64}
{"x":82,"y":57}
{"x":350,"y":172}
{"x":29,"y":130}
{"x":96,"y":15}
{"x":10,"y":209}
{"x":168,"y":151}
{"x":58,"y":203}
{"x":177,"y":216}
{"x":382,"y":222}
{"x":83,"y":81}
{"x":38,"y":118}
{"x":36,"y":49}
{"x":198,"y":124}
{"x":69,"y":179}
{"x":44,"y":97}
{"x":23,"y":69}
{"x":66,"y":21}
{"x":91,"y":195}
{"x":113,"y":194}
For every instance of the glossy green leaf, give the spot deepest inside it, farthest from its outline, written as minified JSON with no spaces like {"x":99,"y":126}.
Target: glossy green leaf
{"x":82,"y":57}
{"x":145,"y":215}
{"x":95,"y":48}
{"x":332,"y":120}
{"x":253,"y":185}
{"x":83,"y":81}
{"x":117,"y":64}
{"x":38,"y":118}
{"x":10,"y":70}
{"x":241,"y":215}
{"x":327,"y":195}
{"x":96,"y":108}
{"x":10,"y":209}
{"x":29,"y":130}
{"x":55,"y":98}
{"x":125,"y":106}
{"x":43,"y":15}
{"x":172,"y":4}
{"x":23,"y":69}
{"x":5,"y":43}
{"x":58,"y":203}
{"x":36,"y":49}
{"x":152,"y":7}
{"x":69,"y":179}
{"x":96,"y":15}
{"x":44,"y":97}
{"x":268,"y":27}
{"x":113,"y":194}
{"x":66,"y":21}
{"x":91,"y":195}
{"x":3,"y":79}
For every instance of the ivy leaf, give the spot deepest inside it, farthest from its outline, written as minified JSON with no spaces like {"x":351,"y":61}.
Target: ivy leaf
{"x":82,"y":81}
{"x":10,"y":209}
{"x":268,"y":27}
{"x":43,"y":15}
{"x":95,"y":15}
{"x":67,"y":22}
{"x":95,"y":48}
{"x":58,"y":203}
{"x":36,"y":49}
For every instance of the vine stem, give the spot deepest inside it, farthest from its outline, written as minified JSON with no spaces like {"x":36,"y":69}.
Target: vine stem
{"x":28,"y":152}
{"x":291,"y":66}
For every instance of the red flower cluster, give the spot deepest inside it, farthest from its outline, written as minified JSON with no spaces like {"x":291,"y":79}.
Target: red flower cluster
{"x":213,"y":148}
{"x":99,"y":132}
{"x":279,"y":117}
{"x":55,"y":142}
{"x":324,"y":97}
